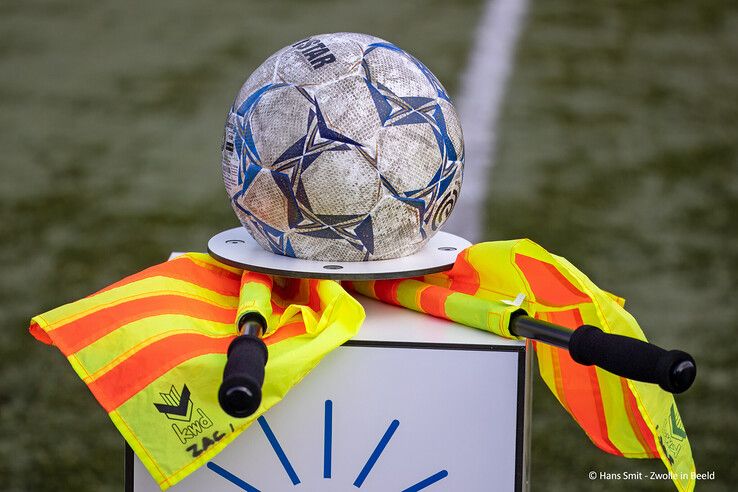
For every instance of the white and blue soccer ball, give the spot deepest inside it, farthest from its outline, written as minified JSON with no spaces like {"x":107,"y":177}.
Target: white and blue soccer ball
{"x":343,"y":147}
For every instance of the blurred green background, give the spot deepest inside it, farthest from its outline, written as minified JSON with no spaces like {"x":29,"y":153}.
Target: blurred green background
{"x":617,"y":148}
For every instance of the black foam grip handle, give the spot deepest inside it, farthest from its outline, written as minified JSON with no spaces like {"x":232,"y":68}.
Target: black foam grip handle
{"x":631,"y":358}
{"x":240,"y":391}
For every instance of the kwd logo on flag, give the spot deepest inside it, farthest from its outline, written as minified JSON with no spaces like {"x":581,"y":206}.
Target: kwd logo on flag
{"x":176,"y":406}
{"x":179,"y":406}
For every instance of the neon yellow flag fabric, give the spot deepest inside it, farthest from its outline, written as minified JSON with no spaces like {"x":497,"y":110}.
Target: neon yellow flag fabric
{"x":623,"y":417}
{"x":152,"y":348}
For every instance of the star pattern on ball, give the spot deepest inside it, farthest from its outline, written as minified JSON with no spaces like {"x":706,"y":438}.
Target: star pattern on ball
{"x":430,"y":203}
{"x":432,"y":79}
{"x":287,"y":171}
{"x":396,"y":110}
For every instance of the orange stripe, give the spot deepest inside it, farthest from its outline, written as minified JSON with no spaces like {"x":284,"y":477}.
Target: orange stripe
{"x":548,"y":284}
{"x":287,"y":331}
{"x":313,"y":296}
{"x":558,"y":380}
{"x":386,"y":290}
{"x":77,"y":334}
{"x":276,"y":308}
{"x":552,"y":353}
{"x":433,"y":301}
{"x":183,"y":268}
{"x":123,"y":381}
{"x":640,"y":429}
{"x":555,"y":368}
{"x":40,"y":334}
{"x":464,"y":277}
{"x":600,"y":408}
{"x":258,"y":278}
{"x":582,"y":389}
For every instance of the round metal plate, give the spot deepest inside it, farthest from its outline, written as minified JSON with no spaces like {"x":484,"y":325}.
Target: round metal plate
{"x":236,"y":247}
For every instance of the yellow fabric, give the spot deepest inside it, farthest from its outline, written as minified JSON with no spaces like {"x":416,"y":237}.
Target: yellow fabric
{"x":495,"y":263}
{"x":472,"y":293}
{"x":480,"y":291}
{"x":170,"y":446}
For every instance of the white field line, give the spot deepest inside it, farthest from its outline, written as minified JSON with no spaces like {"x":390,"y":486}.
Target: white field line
{"x":479,"y":104}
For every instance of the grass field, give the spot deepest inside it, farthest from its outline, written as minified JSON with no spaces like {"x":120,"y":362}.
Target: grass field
{"x":617,"y":149}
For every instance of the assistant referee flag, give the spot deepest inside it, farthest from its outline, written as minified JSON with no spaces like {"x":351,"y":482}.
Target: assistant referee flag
{"x":151,"y":347}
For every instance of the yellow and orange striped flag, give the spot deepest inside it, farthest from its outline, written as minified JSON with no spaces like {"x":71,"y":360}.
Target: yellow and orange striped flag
{"x":158,"y":338}
{"x":622,"y":417}
{"x":152,"y":348}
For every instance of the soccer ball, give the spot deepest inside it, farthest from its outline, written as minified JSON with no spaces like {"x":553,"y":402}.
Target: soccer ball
{"x":342,"y":147}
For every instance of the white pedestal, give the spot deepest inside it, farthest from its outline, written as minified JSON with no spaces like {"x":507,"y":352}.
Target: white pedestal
{"x":412,"y":403}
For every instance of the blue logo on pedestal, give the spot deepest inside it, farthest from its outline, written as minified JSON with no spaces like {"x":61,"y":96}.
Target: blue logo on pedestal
{"x":327,"y":457}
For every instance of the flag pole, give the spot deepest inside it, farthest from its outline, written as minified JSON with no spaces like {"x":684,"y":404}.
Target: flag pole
{"x":240,"y":392}
{"x":673,"y":370}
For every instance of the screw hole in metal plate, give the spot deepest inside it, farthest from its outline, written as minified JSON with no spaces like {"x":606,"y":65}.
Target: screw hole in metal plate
{"x":447,"y":248}
{"x":235,"y":241}
{"x":332,"y":267}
